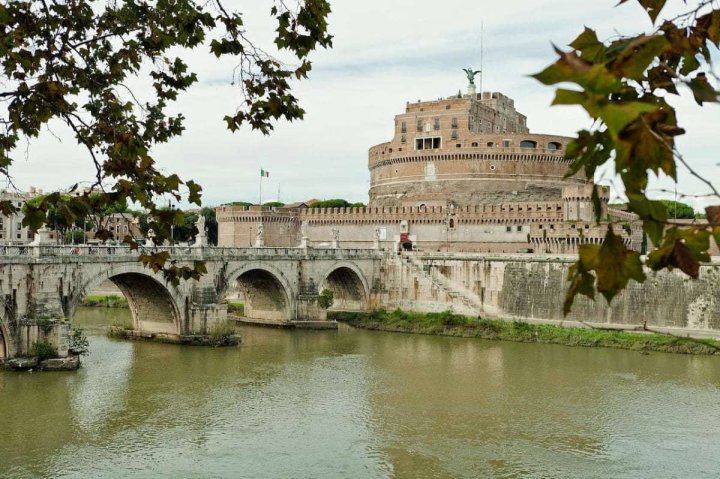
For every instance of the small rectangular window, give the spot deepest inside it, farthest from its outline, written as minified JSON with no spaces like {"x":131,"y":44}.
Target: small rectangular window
{"x":506,"y":143}
{"x":428,"y":143}
{"x":436,"y":143}
{"x":403,"y":127}
{"x":402,"y":139}
{"x":436,"y":124}
{"x":19,"y":226}
{"x":419,"y":125}
{"x":519,"y":228}
{"x":508,"y":229}
{"x":454,"y":123}
{"x":454,"y":135}
{"x":419,"y":144}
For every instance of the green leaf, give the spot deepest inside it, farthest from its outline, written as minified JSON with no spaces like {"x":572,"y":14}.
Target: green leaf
{"x":616,"y":265}
{"x":637,"y":56}
{"x":568,"y":97}
{"x":581,"y":282}
{"x":587,"y":43}
{"x":702,"y":90}
{"x":617,"y":115}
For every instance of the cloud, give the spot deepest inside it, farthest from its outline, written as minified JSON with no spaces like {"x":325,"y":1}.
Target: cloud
{"x":384,"y":54}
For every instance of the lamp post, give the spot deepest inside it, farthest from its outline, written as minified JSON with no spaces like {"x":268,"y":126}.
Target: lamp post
{"x":171,"y":207}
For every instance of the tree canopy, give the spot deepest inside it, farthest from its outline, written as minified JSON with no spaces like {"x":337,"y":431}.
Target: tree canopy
{"x":74,"y":63}
{"x":627,"y":84}
{"x":678,"y":210}
{"x":336,"y":203}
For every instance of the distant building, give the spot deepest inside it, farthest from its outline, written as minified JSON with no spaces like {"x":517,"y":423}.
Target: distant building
{"x":462,"y":173}
{"x":11,"y":229}
{"x":120,"y":225}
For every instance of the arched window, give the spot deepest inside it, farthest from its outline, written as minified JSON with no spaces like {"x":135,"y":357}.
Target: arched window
{"x":490,"y":144}
{"x":554,"y":145}
{"x":528,"y":144}
{"x":474,"y":143}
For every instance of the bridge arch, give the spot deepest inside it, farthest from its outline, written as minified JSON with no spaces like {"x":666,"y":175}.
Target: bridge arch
{"x":154,"y":306}
{"x":268,"y":294}
{"x":351,"y":291}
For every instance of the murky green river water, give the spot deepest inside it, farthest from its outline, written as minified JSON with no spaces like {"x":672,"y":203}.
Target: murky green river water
{"x":349,"y":403}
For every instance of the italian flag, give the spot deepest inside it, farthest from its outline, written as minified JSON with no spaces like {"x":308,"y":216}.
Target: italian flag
{"x":264,"y":173}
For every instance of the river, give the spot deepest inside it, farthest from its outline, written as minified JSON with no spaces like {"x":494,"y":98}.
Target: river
{"x":353,"y":403}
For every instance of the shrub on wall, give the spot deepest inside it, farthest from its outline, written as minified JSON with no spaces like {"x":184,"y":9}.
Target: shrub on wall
{"x":43,"y":350}
{"x":326,"y":299}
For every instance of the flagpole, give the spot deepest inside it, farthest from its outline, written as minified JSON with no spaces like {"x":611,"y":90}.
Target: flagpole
{"x":261,"y":178}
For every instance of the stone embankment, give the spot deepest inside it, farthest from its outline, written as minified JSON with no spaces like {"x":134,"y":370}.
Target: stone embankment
{"x":531,"y":288}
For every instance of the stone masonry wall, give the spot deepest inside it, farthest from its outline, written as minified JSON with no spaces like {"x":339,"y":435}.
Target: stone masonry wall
{"x":533,"y":287}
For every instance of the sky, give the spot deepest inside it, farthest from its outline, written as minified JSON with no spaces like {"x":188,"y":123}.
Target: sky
{"x":384,"y":54}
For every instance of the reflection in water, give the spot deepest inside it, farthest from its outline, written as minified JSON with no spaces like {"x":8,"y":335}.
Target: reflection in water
{"x":353,"y":403}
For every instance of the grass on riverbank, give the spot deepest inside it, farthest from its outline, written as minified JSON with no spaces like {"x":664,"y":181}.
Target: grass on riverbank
{"x":104,"y":301}
{"x":450,"y":324}
{"x":237,"y":309}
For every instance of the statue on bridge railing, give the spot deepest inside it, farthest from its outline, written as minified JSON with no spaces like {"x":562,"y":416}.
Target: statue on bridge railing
{"x":201,"y":238}
{"x":150,"y":238}
{"x":335,"y":237}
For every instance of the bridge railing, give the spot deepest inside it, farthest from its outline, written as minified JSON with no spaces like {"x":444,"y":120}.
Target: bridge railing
{"x":181,"y":251}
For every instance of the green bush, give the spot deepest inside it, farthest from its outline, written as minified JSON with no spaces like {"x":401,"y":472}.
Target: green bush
{"x":79,"y":343}
{"x":326,"y":299}
{"x":221,"y":332}
{"x":236,"y":308}
{"x":43,"y":350}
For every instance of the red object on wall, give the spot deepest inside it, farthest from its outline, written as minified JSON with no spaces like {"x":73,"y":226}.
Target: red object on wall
{"x":403,"y":237}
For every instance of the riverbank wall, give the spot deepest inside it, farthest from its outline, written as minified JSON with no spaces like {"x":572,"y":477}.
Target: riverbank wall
{"x":532,"y":288}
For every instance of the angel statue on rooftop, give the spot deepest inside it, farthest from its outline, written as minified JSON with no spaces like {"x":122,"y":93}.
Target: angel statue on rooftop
{"x":471,"y":74}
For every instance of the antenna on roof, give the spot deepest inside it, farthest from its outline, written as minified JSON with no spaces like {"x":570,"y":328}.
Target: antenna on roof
{"x":482,"y":27}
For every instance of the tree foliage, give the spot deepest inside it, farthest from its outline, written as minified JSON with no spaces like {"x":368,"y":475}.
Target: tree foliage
{"x":75,"y":63}
{"x":626,"y":84}
{"x":679,"y":210}
{"x":332,"y":203}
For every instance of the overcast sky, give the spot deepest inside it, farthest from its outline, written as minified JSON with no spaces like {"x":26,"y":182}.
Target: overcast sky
{"x":385,"y":53}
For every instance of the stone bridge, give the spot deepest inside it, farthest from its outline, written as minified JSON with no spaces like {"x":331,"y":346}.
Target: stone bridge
{"x":41,"y":283}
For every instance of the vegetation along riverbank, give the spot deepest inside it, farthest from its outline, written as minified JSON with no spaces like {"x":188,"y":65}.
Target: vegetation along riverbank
{"x":104,"y":301}
{"x":450,"y":324}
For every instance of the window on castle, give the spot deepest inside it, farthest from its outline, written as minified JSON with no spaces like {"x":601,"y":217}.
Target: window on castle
{"x":519,"y":228}
{"x":528,"y":144}
{"x":436,"y":124}
{"x":508,"y":229}
{"x":554,"y":145}
{"x":402,"y":139}
{"x":427,"y":143}
{"x":506,"y":143}
{"x":403,"y":127}
{"x":474,"y":143}
{"x":454,"y":123}
{"x":454,"y":135}
{"x":490,"y":144}
{"x":419,"y":125}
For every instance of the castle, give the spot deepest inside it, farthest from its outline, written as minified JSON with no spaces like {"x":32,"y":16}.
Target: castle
{"x":462,"y":173}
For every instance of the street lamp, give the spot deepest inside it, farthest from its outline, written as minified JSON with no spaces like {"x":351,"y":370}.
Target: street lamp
{"x":171,"y":207}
